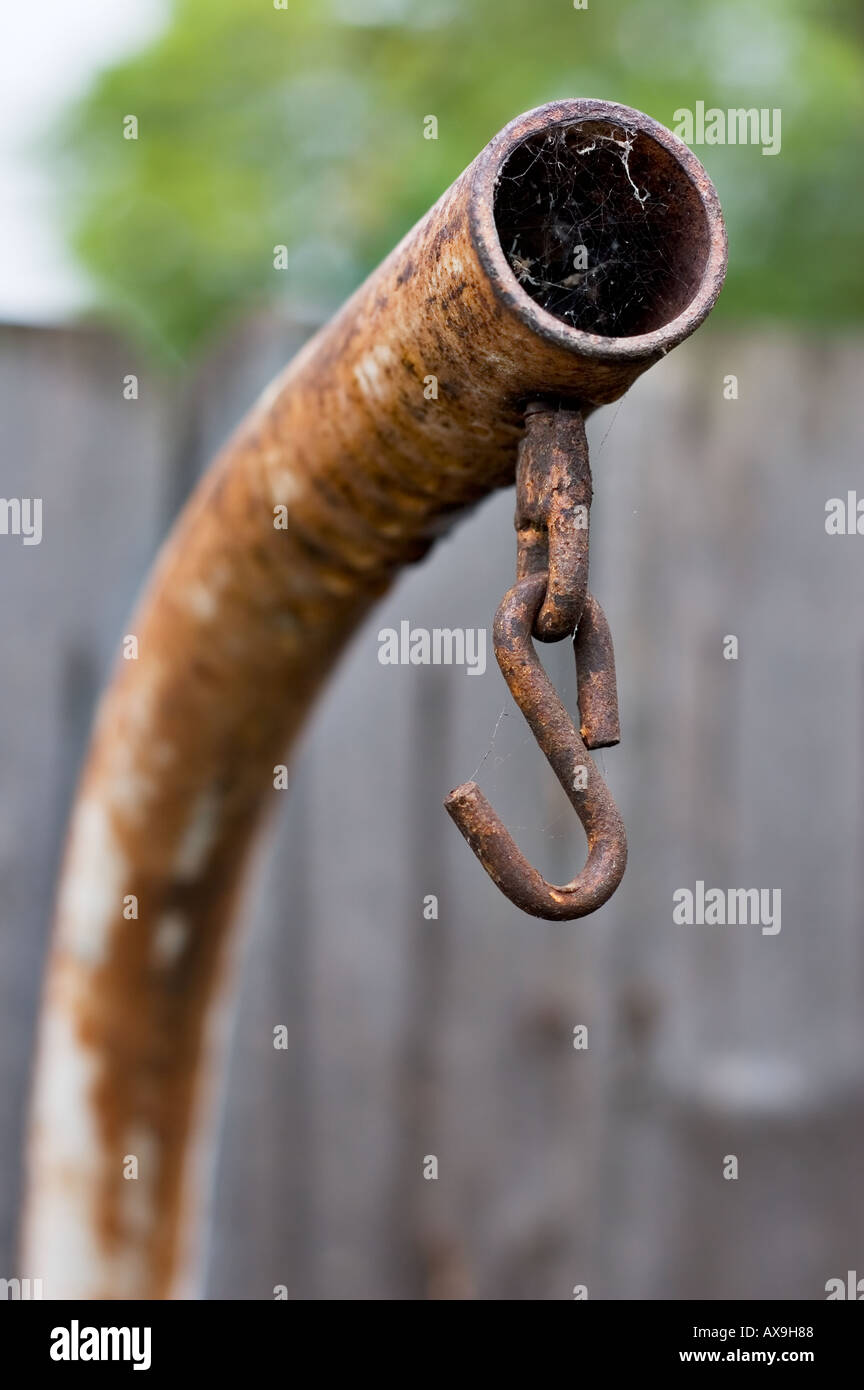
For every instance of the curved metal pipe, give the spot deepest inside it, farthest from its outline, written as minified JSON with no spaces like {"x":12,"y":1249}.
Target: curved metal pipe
{"x":342,"y":473}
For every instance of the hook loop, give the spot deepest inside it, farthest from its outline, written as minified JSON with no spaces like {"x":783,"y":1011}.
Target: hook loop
{"x":566,"y":753}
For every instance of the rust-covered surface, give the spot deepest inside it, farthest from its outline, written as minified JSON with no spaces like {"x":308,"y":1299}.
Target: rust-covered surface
{"x":569,"y":759}
{"x":346,"y":470}
{"x":553,"y":507}
{"x":551,"y":601}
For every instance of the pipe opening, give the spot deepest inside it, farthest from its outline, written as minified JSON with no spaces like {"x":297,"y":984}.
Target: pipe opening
{"x":602,"y":227}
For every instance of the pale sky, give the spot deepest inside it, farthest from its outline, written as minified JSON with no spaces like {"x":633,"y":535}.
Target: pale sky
{"x":51,"y":50}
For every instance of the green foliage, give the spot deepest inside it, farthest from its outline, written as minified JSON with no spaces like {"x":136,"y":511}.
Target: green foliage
{"x":261,"y":126}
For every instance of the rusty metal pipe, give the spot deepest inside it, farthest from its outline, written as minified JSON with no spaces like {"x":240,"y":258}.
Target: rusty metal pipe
{"x":346,"y":470}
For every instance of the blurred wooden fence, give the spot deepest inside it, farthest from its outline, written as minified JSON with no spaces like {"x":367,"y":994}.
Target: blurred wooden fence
{"x":454,"y":1037}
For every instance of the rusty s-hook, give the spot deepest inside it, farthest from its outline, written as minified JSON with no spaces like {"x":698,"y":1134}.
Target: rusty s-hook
{"x":553,"y":499}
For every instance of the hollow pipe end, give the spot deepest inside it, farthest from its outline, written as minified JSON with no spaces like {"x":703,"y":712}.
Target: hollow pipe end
{"x":696,"y":220}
